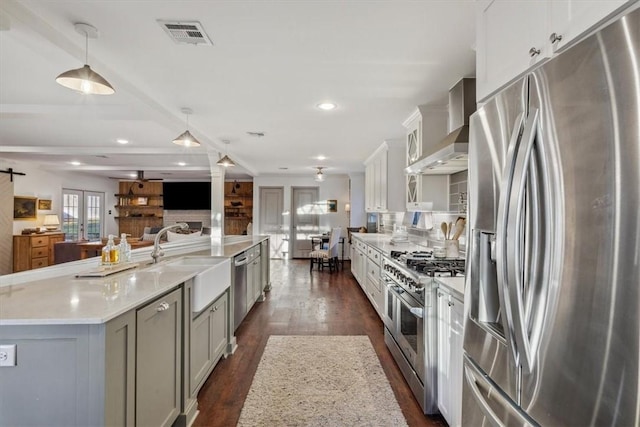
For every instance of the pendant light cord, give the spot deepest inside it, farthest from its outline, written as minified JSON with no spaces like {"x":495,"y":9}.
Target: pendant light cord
{"x":86,"y":48}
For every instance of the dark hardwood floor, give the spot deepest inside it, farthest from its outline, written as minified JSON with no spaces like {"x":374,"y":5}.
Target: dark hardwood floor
{"x":300,"y":303}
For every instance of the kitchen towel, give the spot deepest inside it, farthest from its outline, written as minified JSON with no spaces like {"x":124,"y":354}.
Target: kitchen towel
{"x":320,"y":381}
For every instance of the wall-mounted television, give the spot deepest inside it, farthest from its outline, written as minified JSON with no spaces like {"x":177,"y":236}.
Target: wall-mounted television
{"x":186,"y":195}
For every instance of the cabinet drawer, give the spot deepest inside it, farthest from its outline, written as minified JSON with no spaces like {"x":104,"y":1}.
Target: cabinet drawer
{"x":373,"y":270}
{"x":361,"y":246}
{"x":39,"y":241}
{"x":374,"y":255}
{"x":39,"y":252}
{"x":39,"y":262}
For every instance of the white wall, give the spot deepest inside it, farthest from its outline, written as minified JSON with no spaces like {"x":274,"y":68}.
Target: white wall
{"x":358,"y":217}
{"x":334,"y":187}
{"x":48,"y":185}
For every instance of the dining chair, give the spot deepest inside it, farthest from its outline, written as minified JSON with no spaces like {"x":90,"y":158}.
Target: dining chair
{"x":329,"y":256}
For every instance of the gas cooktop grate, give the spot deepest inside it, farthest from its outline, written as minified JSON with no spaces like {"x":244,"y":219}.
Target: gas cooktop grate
{"x":423,"y":262}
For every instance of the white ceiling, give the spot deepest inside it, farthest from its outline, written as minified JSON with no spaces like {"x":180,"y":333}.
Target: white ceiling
{"x":271,"y":63}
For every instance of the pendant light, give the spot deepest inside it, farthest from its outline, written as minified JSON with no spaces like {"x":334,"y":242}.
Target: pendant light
{"x":226,"y":161}
{"x":319,"y":175}
{"x":185,"y":138}
{"x":84,"y":79}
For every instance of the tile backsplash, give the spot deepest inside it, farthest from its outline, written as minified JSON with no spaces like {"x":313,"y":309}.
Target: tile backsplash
{"x":430,"y":233}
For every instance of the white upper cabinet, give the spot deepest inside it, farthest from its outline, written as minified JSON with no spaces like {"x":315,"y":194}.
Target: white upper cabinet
{"x":383,"y":176}
{"x":513,"y":36}
{"x":425,"y":128}
{"x":571,"y":18}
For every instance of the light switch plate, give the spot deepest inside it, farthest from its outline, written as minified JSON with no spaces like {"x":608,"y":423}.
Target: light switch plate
{"x":8,"y":355}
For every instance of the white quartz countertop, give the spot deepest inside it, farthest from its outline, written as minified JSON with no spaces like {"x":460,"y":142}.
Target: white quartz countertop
{"x":455,"y":284}
{"x":69,"y":300}
{"x":384,"y":244}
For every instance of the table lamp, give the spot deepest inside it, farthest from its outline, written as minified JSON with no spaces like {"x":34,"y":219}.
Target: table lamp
{"x":51,"y":222}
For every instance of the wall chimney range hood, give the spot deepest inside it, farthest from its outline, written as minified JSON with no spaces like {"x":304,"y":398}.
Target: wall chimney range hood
{"x":450,"y":155}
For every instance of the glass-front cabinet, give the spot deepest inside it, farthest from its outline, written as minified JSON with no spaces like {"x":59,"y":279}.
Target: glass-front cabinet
{"x":425,"y":127}
{"x":413,"y":147}
{"x":413,"y":187}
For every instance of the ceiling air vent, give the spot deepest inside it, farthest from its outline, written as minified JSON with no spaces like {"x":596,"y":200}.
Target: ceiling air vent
{"x":186,"y":32}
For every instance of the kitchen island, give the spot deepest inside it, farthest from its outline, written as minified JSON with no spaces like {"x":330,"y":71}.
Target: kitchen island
{"x":125,"y":349}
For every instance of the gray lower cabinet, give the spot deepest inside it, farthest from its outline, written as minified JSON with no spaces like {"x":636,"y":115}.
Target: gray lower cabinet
{"x":209,"y":337}
{"x":257,"y":276}
{"x":265,"y":267}
{"x":251,"y":274}
{"x":159,"y":361}
{"x":120,"y":369}
{"x":125,"y":372}
{"x":254,"y":276}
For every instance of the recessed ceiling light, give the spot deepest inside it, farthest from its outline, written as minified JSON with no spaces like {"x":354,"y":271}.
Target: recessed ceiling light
{"x":321,"y":157}
{"x":122,"y":141}
{"x":133,"y":175}
{"x":75,"y":163}
{"x":182,"y":164}
{"x":326,"y":106}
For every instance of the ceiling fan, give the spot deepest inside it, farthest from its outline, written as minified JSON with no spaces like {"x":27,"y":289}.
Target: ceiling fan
{"x":140,"y":178}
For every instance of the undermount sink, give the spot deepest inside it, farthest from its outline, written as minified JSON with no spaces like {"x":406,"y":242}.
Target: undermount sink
{"x":196,"y":260}
{"x":209,"y":283}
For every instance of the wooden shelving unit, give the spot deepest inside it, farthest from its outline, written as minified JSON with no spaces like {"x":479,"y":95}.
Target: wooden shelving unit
{"x":139,"y":207}
{"x":238,"y":207}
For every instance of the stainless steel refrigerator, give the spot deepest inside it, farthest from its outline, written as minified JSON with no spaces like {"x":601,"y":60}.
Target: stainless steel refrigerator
{"x":552,"y":303}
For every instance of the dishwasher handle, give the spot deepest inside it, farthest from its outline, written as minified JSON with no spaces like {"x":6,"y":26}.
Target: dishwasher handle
{"x":238,"y":261}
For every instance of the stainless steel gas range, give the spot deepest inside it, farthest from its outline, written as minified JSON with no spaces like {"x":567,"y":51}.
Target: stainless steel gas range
{"x":410,"y":318}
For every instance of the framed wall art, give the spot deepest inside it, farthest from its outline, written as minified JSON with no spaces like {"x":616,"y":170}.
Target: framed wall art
{"x":44,"y":205}
{"x":332,"y":205}
{"x":24,"y":208}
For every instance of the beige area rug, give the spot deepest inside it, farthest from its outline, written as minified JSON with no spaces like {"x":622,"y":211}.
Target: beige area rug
{"x":320,"y":381}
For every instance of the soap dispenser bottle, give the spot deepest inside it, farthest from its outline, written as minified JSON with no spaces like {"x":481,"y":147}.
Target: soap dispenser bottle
{"x":125,"y":248}
{"x":110,"y":253}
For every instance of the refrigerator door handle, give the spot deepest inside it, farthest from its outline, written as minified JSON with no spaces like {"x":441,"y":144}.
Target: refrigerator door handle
{"x":474,"y":379}
{"x":481,"y":385}
{"x":502,"y":247}
{"x":514,"y":268}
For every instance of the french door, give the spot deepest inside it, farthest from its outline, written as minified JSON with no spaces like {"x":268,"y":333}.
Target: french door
{"x":82,"y":214}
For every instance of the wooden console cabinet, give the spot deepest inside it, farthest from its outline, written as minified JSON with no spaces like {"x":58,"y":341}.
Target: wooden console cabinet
{"x":34,"y":250}
{"x":238,"y":207}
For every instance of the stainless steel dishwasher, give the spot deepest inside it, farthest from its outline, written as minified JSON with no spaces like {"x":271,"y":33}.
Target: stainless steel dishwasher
{"x":240,"y":262}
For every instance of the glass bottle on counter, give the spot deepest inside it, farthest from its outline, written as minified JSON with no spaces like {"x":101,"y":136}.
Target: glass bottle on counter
{"x":125,"y":248}
{"x":110,"y":253}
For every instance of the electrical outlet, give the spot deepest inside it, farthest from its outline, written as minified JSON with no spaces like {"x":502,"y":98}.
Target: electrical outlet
{"x":8,"y":355}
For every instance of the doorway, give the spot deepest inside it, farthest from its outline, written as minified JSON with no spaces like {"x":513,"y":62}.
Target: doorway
{"x":272,"y":222}
{"x":82,"y":214}
{"x":304,"y":219}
